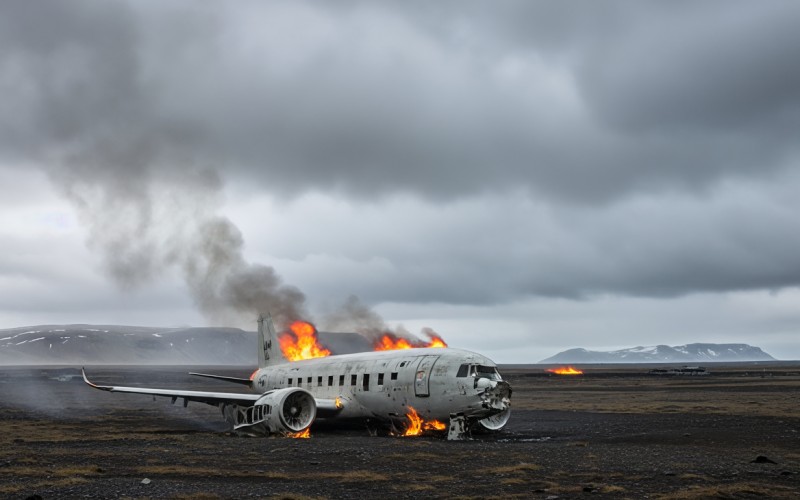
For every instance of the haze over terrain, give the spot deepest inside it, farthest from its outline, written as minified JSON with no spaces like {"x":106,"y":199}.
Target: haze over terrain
{"x":522,"y":177}
{"x":116,"y":344}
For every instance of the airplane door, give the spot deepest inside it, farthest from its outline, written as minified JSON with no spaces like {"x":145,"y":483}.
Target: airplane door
{"x":422,"y":379}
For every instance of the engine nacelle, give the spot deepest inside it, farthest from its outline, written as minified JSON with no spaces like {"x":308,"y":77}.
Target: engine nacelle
{"x":284,"y":411}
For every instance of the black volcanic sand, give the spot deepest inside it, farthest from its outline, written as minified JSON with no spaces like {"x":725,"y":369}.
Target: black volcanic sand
{"x":614,"y":433}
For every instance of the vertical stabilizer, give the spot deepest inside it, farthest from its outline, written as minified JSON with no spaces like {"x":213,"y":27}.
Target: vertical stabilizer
{"x":269,"y":349}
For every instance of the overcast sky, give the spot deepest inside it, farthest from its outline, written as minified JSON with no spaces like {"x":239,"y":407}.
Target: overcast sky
{"x":522,"y":177}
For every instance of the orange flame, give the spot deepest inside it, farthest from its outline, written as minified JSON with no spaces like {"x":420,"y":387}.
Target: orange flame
{"x":306,"y":434}
{"x":301,"y":342}
{"x":389,"y":342}
{"x":417,"y":425}
{"x":565,"y":370}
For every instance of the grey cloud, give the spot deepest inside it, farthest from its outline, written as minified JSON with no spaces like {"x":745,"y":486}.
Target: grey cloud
{"x":490,"y":250}
{"x":368,"y":100}
{"x":699,"y":67}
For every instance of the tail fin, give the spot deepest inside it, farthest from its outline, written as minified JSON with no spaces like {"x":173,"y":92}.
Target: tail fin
{"x":269,"y":349}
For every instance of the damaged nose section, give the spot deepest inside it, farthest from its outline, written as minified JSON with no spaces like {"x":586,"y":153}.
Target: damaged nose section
{"x":497,"y":397}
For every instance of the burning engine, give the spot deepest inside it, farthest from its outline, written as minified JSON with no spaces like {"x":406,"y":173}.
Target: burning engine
{"x":284,"y":411}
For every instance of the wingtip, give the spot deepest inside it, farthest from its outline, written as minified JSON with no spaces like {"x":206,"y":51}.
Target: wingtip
{"x":88,"y":382}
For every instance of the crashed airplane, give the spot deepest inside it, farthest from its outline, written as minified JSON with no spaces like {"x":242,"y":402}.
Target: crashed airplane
{"x":405,"y":391}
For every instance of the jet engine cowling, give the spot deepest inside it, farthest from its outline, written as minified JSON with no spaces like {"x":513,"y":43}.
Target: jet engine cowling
{"x":284,"y":411}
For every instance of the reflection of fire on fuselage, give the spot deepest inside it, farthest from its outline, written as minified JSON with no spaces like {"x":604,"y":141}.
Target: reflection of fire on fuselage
{"x":440,"y":384}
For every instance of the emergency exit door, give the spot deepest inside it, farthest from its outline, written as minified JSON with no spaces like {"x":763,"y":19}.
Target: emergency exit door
{"x":422,"y":379}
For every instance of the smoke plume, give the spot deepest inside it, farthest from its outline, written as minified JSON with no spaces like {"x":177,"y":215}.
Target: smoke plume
{"x":103,"y":103}
{"x":356,"y":316}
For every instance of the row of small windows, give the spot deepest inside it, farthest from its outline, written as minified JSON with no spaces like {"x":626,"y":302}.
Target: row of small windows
{"x":353,"y":380}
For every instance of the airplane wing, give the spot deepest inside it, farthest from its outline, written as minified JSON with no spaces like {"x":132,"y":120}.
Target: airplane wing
{"x":211,"y":398}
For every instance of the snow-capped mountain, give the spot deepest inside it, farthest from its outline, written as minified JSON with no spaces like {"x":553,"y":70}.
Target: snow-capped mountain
{"x":689,"y":353}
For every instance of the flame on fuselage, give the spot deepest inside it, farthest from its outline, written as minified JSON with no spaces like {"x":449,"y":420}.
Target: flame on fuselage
{"x":389,"y":342}
{"x":417,"y":425}
{"x":301,"y":342}
{"x":565,"y":370}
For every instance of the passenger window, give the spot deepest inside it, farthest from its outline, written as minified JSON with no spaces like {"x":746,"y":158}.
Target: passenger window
{"x":380,"y":379}
{"x":394,"y":376}
{"x":319,"y":381}
{"x":341,"y":380}
{"x":330,"y":380}
{"x":462,"y":371}
{"x":353,"y":379}
{"x":365,"y":382}
{"x":309,"y":381}
{"x":291,"y":380}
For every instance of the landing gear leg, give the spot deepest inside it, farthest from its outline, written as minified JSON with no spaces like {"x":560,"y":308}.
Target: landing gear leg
{"x":458,"y":427}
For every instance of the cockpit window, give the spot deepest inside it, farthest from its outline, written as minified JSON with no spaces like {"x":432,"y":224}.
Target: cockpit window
{"x":489,"y":372}
{"x":478,"y":371}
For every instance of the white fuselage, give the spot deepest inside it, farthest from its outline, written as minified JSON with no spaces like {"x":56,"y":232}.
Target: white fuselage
{"x":436,"y":382}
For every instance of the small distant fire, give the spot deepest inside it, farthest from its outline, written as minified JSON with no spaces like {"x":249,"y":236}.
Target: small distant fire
{"x":389,"y":342}
{"x":301,"y":342}
{"x":306,"y":434}
{"x":565,"y":370}
{"x":417,"y":425}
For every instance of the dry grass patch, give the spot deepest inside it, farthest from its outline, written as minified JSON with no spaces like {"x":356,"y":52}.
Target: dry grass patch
{"x":353,"y":476}
{"x":194,"y":471}
{"x":417,"y":487}
{"x":566,"y":489}
{"x":423,"y":456}
{"x":34,"y":485}
{"x":610,"y":488}
{"x":513,"y":481}
{"x":83,"y":470}
{"x":694,"y":477}
{"x":509,"y":469}
{"x":294,"y":496}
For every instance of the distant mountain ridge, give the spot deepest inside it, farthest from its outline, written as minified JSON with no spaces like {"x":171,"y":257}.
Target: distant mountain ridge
{"x":689,"y":353}
{"x":115,"y":344}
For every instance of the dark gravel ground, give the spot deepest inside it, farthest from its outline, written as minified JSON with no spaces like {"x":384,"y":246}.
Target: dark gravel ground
{"x":60,"y":439}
